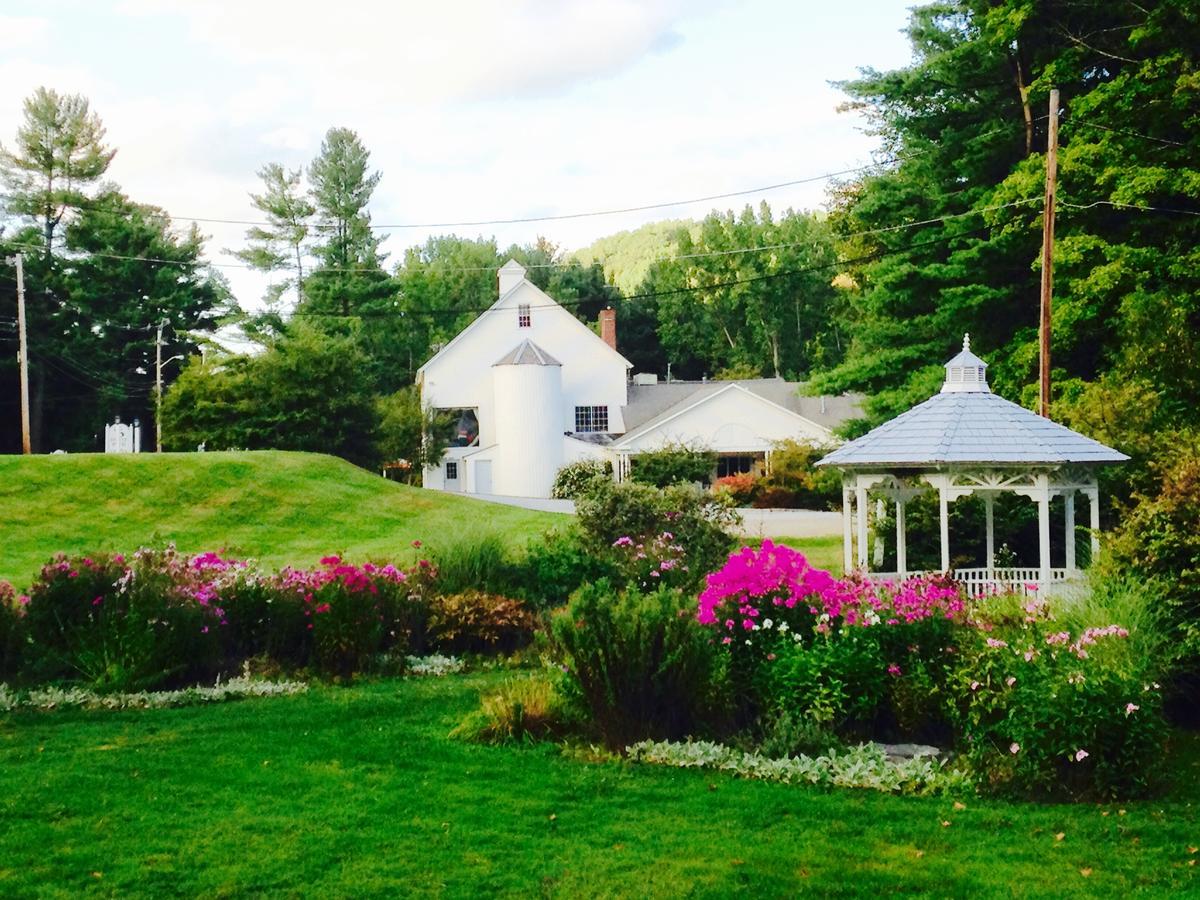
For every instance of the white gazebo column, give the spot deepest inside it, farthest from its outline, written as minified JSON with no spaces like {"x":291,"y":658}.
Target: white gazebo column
{"x":944,"y":518}
{"x":989,"y":509}
{"x":1069,"y":503}
{"x":847,"y":527}
{"x":877,"y":558}
{"x":1043,"y":502}
{"x":860,"y":501}
{"x":1094,"y":512}
{"x":901,"y":547}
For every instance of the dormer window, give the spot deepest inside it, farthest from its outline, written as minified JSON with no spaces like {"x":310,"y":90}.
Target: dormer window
{"x":524,"y":320}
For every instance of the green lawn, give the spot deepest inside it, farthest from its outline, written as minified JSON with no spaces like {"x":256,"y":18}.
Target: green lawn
{"x":822,"y":552}
{"x":279,"y":507}
{"x":358,"y":792}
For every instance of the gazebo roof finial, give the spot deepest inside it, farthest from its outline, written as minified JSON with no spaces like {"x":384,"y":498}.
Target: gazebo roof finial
{"x":967,"y":341}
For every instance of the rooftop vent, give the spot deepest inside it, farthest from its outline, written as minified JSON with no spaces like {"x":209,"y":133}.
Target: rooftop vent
{"x":966,"y":372}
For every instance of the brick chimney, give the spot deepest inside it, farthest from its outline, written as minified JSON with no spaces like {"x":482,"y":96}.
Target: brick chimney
{"x":608,"y":326}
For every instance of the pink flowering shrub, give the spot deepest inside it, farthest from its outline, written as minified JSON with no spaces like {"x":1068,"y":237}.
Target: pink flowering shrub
{"x":847,"y":653}
{"x":1047,"y":707}
{"x":350,"y":610}
{"x":159,"y":617}
{"x":12,"y":628}
{"x":122,"y":623}
{"x":657,"y":560}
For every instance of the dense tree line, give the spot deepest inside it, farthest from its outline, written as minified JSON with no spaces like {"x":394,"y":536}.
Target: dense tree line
{"x":93,"y":309}
{"x":942,"y":237}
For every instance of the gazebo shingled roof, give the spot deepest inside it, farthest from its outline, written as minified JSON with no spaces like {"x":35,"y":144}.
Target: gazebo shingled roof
{"x":967,"y":423}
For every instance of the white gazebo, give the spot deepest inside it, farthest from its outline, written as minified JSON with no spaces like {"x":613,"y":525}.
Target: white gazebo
{"x":966,"y":440}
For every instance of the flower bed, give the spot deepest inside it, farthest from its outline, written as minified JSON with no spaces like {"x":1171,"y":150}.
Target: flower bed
{"x":158,"y":617}
{"x":1031,"y":705}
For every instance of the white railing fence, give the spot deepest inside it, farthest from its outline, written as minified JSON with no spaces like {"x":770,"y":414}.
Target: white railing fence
{"x":983,"y":581}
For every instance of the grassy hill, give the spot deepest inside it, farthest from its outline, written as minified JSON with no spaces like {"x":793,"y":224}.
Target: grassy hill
{"x":282,"y":508}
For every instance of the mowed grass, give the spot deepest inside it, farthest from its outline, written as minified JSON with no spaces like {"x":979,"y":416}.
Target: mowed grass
{"x":281,"y":508}
{"x":823,"y":552}
{"x":358,"y":792}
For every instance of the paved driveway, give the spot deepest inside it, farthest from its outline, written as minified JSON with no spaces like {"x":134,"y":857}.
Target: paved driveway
{"x":756,"y":522}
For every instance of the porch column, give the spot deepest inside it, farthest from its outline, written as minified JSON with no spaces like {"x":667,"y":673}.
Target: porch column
{"x":847,"y":528}
{"x":1094,"y":512}
{"x":1043,"y":502}
{"x":1069,"y":501}
{"x":860,"y":501}
{"x":944,"y":516}
{"x":901,"y":548}
{"x":989,"y":507}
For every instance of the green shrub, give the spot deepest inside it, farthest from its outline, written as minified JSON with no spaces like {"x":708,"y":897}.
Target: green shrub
{"x":264,"y":621}
{"x":742,"y":489}
{"x":698,"y":521}
{"x":556,"y":564}
{"x":674,"y":464}
{"x":1160,"y":540}
{"x":794,"y":482}
{"x":524,"y":709}
{"x":1062,"y":707}
{"x":641,"y":664}
{"x":478,"y":622}
{"x":474,"y":562}
{"x":575,"y":478}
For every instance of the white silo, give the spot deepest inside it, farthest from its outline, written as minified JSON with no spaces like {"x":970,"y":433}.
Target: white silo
{"x":527,"y":383}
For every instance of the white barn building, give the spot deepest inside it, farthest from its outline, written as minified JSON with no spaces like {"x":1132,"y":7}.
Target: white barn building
{"x":534,"y":388}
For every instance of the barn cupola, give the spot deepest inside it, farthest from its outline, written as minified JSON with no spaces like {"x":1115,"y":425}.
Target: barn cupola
{"x":966,"y":372}
{"x":509,"y":276}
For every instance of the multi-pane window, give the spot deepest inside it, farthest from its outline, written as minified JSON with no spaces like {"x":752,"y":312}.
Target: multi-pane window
{"x":523,"y":318}
{"x":591,"y":418}
{"x":451,"y":471}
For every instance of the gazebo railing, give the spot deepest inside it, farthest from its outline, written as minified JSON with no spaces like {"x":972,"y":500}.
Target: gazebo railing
{"x":980,"y":582}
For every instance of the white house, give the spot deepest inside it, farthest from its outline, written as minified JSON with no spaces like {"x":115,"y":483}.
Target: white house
{"x":533,"y":388}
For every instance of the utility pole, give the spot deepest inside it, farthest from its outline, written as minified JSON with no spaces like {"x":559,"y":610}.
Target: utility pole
{"x":1048,"y":253}
{"x":19,"y":262}
{"x":159,"y":362}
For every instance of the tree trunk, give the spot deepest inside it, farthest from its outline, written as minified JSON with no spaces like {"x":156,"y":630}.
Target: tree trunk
{"x":1023,"y":93}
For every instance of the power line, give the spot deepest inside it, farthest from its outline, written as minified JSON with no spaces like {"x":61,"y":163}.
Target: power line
{"x":1149,"y":137}
{"x":709,"y":253}
{"x":1134,"y":206}
{"x":522,"y":220}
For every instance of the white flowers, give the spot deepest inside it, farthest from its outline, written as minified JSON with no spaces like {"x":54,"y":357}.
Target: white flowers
{"x":435,"y":665}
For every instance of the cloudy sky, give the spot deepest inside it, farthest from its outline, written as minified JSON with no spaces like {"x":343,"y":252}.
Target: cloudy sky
{"x":471,"y":110}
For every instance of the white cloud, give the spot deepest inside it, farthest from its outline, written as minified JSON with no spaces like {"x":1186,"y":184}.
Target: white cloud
{"x":21,"y":32}
{"x":371,"y":53}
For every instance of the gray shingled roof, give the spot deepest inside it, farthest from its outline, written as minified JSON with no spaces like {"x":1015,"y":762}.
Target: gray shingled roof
{"x":650,"y":402}
{"x":527,"y":353}
{"x":969,"y":424}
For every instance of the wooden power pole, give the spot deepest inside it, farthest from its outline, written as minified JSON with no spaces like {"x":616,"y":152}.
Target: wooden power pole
{"x":23,"y":343}
{"x":158,"y":366}
{"x":1048,"y":253}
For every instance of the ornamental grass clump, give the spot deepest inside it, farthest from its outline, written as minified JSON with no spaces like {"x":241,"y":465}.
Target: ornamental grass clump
{"x":639,"y":663}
